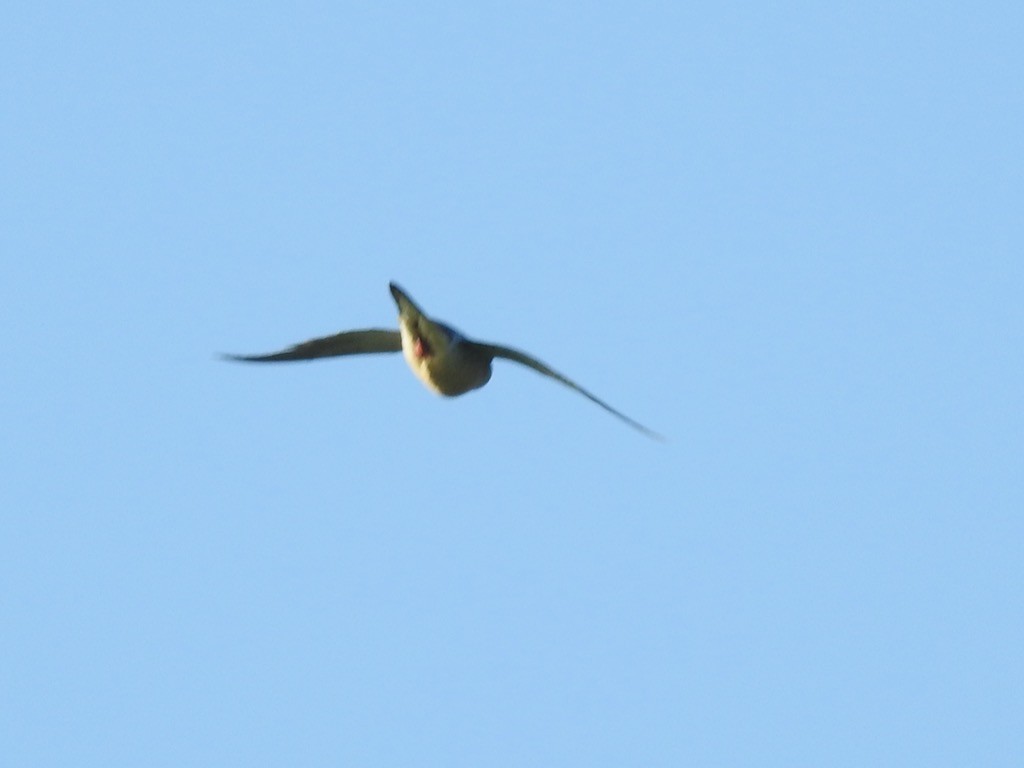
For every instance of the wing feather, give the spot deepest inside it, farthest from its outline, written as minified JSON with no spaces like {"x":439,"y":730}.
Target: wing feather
{"x":364,"y":342}
{"x":508,"y":353}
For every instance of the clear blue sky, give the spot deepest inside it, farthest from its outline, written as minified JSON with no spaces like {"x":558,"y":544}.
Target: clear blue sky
{"x":789,"y":236}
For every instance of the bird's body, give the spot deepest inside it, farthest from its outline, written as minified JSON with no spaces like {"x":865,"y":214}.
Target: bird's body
{"x":447,"y":362}
{"x":441,"y":357}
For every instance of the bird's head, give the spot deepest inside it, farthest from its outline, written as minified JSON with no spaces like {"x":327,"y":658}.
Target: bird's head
{"x":422,"y":338}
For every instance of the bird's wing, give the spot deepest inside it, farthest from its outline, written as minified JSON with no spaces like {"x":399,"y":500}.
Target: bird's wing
{"x":365,"y":342}
{"x":495,"y":350}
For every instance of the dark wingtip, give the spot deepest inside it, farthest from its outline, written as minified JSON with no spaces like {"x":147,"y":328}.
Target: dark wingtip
{"x":247,"y":358}
{"x":656,"y":436}
{"x":645,"y":431}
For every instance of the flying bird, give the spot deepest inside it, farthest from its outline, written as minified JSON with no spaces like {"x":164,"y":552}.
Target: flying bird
{"x":447,"y":362}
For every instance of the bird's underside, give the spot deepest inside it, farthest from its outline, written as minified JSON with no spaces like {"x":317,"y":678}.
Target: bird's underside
{"x":442,"y":358}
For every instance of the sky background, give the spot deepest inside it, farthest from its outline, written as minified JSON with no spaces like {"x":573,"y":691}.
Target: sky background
{"x":788,"y":236}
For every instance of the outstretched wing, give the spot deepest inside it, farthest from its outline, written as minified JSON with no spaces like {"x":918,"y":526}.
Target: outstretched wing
{"x":495,"y":350}
{"x":365,"y":342}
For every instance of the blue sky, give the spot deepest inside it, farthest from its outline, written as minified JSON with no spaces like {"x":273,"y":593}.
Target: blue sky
{"x":788,"y":236}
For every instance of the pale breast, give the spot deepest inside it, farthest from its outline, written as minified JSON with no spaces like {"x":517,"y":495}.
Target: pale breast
{"x":450,"y":369}
{"x":452,"y":374}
